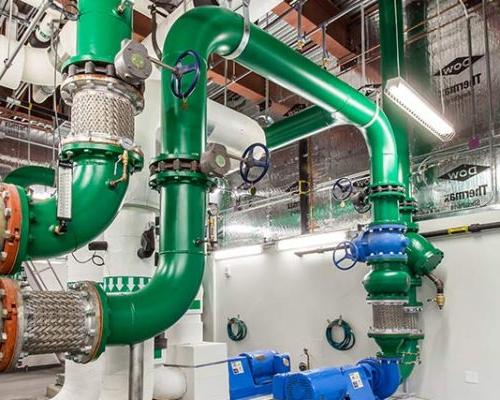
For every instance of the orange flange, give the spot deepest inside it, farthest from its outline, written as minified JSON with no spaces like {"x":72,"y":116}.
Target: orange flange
{"x":12,"y":219}
{"x":10,"y":343}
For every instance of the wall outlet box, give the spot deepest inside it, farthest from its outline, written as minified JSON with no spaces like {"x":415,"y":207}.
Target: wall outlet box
{"x":472,"y":377}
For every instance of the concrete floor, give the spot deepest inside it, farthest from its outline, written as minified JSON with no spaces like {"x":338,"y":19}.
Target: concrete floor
{"x":31,"y":385}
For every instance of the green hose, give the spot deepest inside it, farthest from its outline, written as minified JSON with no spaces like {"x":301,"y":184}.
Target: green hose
{"x":236,"y":329}
{"x":349,"y":339}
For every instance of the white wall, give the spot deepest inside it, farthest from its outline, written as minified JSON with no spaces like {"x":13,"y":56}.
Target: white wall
{"x":285,"y":301}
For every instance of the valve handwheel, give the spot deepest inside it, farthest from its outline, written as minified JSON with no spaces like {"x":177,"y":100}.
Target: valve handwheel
{"x":249,"y":163}
{"x":342,"y":189}
{"x":345,"y":256}
{"x":181,"y":71}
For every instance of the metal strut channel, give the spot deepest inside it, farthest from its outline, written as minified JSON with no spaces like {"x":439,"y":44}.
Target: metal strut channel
{"x":246,"y":32}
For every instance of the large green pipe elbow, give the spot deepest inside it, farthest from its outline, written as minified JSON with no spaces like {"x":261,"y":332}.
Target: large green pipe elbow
{"x":423,"y":256}
{"x":306,"y":123}
{"x":135,"y":317}
{"x":95,"y":204}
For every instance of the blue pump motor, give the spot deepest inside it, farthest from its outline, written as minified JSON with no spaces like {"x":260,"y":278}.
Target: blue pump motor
{"x":251,"y":374}
{"x":371,"y":379}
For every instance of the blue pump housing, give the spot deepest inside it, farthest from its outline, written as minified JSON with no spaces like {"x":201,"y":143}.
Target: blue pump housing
{"x":371,"y":379}
{"x":251,"y":374}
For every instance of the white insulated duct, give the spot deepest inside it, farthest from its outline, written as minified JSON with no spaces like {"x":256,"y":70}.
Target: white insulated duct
{"x":32,"y":65}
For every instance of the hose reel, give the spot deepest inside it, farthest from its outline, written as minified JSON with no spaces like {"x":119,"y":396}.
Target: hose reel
{"x":349,"y":339}
{"x":236,"y":328}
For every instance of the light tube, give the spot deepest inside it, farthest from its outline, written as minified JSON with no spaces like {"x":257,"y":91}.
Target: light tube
{"x":310,"y":241}
{"x":238,"y":252}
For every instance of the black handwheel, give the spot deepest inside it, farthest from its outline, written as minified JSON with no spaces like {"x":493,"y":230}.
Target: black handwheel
{"x":182,"y":70}
{"x":249,"y":162}
{"x":345,"y":251}
{"x":342,"y":189}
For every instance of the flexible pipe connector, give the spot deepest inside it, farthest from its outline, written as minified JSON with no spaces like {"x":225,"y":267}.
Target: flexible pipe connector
{"x":49,"y":322}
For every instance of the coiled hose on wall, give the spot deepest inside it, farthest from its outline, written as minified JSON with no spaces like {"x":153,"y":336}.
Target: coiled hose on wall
{"x":349,"y":339}
{"x":236,"y":329}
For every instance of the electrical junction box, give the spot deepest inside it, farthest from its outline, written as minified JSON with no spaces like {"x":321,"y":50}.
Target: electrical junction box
{"x":251,"y":374}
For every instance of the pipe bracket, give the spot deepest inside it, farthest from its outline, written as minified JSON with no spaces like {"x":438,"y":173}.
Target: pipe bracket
{"x":246,"y":33}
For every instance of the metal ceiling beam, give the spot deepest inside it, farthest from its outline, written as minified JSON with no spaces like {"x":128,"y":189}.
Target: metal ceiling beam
{"x":316,"y":12}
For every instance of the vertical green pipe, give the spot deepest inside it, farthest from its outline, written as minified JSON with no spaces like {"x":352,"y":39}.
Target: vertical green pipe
{"x":393,"y":65}
{"x":100,"y":30}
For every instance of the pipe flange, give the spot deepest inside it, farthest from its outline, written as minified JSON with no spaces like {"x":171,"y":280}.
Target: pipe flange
{"x":11,"y":326}
{"x":94,"y":323}
{"x":377,"y":190}
{"x":11,"y":220}
{"x":388,"y":302}
{"x":174,"y":165}
{"x":395,"y":332}
{"x":76,"y":83}
{"x":71,"y":142}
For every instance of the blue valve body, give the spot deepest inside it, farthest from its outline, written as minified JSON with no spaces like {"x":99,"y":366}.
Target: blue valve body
{"x":385,"y":242}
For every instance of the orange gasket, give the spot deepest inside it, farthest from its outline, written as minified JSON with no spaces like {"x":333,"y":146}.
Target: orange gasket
{"x":14,"y":220}
{"x":10,"y":323}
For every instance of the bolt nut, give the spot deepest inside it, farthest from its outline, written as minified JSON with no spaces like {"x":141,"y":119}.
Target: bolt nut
{"x":7,"y":212}
{"x":3,"y":256}
{"x":3,"y":337}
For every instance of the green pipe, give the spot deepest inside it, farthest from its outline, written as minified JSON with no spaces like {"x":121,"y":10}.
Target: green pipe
{"x":306,"y":123}
{"x":94,"y":204}
{"x":31,"y":175}
{"x":100,"y":31}
{"x":138,"y":316}
{"x":134,"y":317}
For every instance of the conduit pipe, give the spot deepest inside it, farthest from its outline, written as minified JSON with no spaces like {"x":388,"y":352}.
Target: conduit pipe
{"x":138,"y":316}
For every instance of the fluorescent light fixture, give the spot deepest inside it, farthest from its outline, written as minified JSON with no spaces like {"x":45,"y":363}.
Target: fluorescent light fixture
{"x":402,"y":94}
{"x":238,"y":252}
{"x":311,"y":241}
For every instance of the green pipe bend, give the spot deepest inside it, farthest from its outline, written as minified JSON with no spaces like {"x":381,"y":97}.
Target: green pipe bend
{"x":94,"y":203}
{"x":140,"y":315}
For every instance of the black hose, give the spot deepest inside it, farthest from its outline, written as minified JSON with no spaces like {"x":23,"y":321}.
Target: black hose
{"x":241,"y":329}
{"x":154,"y":26}
{"x":349,"y":339}
{"x":473,"y":228}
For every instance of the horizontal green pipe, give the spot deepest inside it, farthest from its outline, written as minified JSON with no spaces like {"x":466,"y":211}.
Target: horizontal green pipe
{"x":31,"y":175}
{"x":306,"y":123}
{"x":213,"y":30}
{"x":94,"y":206}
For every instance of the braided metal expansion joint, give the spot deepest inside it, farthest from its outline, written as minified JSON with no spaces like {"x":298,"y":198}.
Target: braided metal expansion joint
{"x":102,"y":109}
{"x":395,"y":317}
{"x":11,"y":221}
{"x":36,"y":322}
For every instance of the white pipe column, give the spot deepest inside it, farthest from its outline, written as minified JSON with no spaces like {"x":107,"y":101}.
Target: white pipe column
{"x":125,"y":271}
{"x":170,"y":382}
{"x":82,"y":381}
